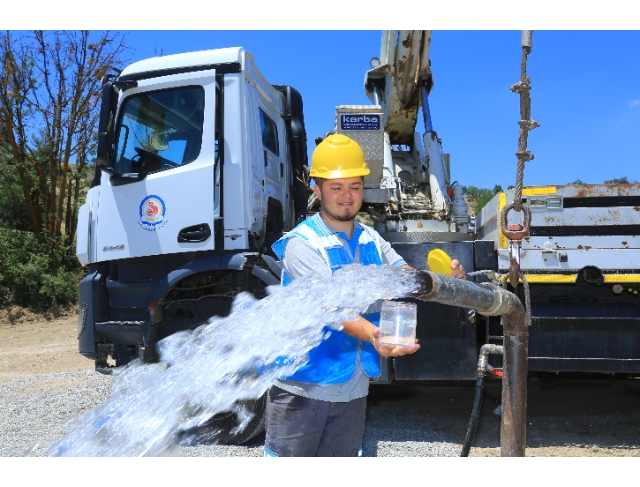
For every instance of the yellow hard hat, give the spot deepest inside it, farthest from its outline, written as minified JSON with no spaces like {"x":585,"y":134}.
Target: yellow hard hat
{"x":337,"y":157}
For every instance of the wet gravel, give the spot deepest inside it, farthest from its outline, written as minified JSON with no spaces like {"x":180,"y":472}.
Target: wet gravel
{"x":38,"y":410}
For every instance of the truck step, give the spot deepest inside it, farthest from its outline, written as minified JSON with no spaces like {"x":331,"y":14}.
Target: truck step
{"x":120,"y":323}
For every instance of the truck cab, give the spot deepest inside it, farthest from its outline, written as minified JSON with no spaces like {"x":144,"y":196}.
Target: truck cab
{"x":200,"y":166}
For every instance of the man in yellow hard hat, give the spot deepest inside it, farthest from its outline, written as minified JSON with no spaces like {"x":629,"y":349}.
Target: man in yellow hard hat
{"x":320,"y":409}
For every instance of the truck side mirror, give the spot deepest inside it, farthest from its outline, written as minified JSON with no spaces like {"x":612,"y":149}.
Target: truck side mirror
{"x":105,"y":128}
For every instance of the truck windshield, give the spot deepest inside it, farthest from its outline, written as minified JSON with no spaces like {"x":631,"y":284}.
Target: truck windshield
{"x":160,"y":130}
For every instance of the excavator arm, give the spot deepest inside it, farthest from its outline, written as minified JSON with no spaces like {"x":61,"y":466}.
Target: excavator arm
{"x":397,"y":82}
{"x":408,"y":190}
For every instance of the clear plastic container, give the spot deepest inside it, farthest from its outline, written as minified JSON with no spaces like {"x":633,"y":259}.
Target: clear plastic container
{"x":398,"y":324}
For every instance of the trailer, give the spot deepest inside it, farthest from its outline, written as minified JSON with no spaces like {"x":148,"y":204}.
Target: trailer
{"x":581,"y":260}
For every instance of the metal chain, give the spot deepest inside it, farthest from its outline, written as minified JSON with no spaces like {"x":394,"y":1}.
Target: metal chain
{"x":522,"y":88}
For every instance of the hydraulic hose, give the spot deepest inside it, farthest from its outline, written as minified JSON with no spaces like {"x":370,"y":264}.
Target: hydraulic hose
{"x":483,"y":369}
{"x":475,"y":416}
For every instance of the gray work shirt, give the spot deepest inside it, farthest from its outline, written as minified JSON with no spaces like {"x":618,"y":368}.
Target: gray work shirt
{"x":302,"y":260}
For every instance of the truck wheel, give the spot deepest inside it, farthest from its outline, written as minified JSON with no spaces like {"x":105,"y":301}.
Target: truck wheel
{"x":217,"y":430}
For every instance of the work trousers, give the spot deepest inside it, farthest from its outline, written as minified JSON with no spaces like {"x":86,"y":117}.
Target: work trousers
{"x":301,"y":427}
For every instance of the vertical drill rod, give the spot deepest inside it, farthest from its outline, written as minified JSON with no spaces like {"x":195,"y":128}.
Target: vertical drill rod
{"x":492,"y":300}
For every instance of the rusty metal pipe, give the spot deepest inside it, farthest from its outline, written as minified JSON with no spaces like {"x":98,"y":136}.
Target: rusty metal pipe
{"x":488,"y":299}
{"x":491,"y":300}
{"x":513,"y":431}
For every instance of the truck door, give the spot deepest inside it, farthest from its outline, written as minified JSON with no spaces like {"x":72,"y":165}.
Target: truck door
{"x":165,"y":151}
{"x":275,"y":154}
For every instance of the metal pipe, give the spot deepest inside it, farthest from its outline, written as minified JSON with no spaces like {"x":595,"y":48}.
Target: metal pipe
{"x":391,"y":47}
{"x":376,"y":96}
{"x":491,"y":300}
{"x":513,"y":432}
{"x":384,"y":47}
{"x":488,"y":299}
{"x":426,"y":113}
{"x":483,"y":359}
{"x":388,"y":167}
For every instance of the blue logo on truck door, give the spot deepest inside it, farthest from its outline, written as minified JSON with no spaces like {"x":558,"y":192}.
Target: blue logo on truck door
{"x":355,"y":121}
{"x":152,"y":211}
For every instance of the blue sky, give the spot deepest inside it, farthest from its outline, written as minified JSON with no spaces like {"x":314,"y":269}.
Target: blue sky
{"x":586,"y":93}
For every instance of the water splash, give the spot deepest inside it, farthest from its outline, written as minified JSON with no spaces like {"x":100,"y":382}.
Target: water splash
{"x":206,"y":371}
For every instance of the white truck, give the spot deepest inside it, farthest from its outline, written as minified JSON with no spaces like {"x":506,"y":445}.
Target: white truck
{"x":200,"y":167}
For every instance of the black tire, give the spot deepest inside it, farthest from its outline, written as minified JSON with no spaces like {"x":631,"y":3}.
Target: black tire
{"x":217,"y":430}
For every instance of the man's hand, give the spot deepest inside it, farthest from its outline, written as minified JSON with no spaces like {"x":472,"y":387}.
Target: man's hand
{"x":456,"y":267}
{"x":457,"y":270}
{"x":390,"y":350}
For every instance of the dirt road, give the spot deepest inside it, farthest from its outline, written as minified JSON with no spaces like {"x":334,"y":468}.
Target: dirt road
{"x":31,"y":344}
{"x":567,"y":416}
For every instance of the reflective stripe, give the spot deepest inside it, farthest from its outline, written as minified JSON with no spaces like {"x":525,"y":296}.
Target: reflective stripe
{"x":622,"y":278}
{"x":572,"y":278}
{"x":268,"y":453}
{"x":502,"y":202}
{"x":539,"y":190}
{"x":555,"y":278}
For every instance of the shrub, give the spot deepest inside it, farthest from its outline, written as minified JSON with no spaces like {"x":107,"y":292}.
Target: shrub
{"x":36,"y":273}
{"x":479,"y":197}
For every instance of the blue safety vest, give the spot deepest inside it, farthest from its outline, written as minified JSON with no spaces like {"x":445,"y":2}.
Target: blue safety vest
{"x":334,"y":360}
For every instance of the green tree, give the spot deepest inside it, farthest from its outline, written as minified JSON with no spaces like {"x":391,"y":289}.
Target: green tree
{"x":479,"y":197}
{"x":50,"y":92}
{"x":13,"y":212}
{"x":622,"y":180}
{"x":49,"y":107}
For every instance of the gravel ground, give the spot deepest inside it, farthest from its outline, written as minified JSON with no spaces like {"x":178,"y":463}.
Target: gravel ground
{"x":566,"y":417}
{"x":44,"y":383}
{"x":38,"y":410}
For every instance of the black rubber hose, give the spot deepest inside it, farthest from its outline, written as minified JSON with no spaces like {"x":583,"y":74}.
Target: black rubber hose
{"x":475,"y":416}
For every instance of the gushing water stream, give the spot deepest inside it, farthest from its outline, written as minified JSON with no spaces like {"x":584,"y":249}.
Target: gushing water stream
{"x":208,"y":370}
